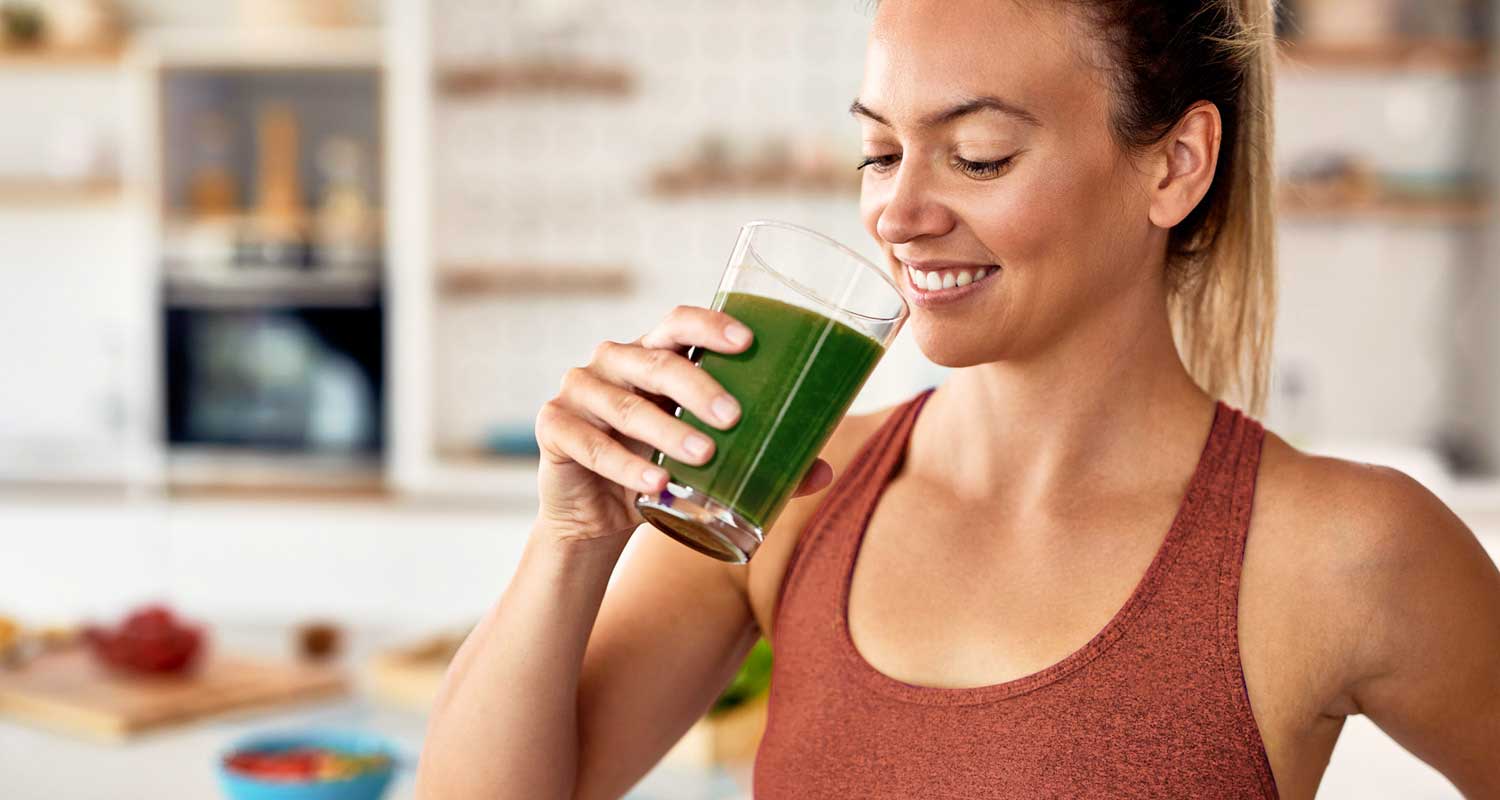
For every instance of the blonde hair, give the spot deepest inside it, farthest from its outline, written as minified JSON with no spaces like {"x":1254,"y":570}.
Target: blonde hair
{"x":1223,"y":295}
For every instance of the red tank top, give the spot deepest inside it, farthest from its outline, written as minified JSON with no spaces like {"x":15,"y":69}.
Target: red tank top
{"x":1154,"y":706}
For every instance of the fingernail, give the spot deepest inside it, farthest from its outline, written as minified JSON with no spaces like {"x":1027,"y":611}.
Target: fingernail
{"x":696,"y":444}
{"x":725,"y":408}
{"x":737,"y":334}
{"x":653,"y":476}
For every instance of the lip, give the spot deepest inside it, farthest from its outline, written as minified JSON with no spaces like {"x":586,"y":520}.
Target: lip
{"x":929,"y":266}
{"x":935,"y":298}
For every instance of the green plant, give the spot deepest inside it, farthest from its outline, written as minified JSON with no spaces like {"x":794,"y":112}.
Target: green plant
{"x":21,"y":22}
{"x":753,"y":678}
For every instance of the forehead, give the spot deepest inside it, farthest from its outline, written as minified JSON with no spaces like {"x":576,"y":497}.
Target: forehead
{"x":925,"y":55}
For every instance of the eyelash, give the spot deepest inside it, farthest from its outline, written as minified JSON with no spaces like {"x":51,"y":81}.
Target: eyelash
{"x":983,"y":170}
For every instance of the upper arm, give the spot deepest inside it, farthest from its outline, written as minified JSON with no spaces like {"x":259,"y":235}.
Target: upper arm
{"x":672,"y":631}
{"x":674,"y":628}
{"x":1427,"y":667}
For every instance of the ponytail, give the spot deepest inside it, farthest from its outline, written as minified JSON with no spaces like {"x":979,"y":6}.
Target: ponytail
{"x":1223,"y":299}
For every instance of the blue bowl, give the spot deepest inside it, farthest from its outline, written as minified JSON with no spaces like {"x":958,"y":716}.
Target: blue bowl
{"x":364,"y":786}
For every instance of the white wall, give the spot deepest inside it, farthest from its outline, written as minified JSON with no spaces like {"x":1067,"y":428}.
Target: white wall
{"x":563,"y":179}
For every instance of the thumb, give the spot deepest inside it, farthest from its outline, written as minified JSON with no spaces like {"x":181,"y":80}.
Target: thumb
{"x":817,"y":478}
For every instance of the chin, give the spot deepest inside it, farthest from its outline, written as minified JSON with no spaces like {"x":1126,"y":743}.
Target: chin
{"x":953,"y":346}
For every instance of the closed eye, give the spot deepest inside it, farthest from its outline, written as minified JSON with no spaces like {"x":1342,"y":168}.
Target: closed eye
{"x":983,"y":170}
{"x":879,"y":163}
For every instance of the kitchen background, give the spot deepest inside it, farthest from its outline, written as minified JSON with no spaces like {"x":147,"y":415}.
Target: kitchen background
{"x":285,"y":282}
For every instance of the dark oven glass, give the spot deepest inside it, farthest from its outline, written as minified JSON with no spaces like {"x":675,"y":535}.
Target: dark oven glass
{"x":297,"y":379}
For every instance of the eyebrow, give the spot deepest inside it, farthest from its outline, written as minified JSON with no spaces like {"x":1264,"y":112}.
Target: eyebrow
{"x":986,"y":103}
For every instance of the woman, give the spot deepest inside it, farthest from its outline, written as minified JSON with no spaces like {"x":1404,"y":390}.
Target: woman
{"x":1044,"y":578}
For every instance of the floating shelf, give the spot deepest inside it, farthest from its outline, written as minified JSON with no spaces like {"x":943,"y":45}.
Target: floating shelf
{"x":1410,"y":209}
{"x":532,"y":279}
{"x":45,"y":191}
{"x":693,"y":183}
{"x":534,"y":77}
{"x":331,"y":48}
{"x":1416,"y":55}
{"x":44,"y":57}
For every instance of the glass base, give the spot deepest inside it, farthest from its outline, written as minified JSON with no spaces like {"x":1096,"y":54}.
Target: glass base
{"x":701,"y":522}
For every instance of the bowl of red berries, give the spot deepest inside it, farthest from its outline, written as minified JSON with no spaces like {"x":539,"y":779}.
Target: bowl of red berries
{"x":308,"y":765}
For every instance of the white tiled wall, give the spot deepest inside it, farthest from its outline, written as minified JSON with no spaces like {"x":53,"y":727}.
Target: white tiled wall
{"x":564,"y":178}
{"x":1366,"y":313}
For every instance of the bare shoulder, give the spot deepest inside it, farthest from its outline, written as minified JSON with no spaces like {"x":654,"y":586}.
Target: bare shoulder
{"x":1352,"y":517}
{"x":761,"y":578}
{"x":1339,"y":549}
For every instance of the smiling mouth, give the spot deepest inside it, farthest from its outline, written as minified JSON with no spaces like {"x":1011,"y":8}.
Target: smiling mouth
{"x":936,"y":280}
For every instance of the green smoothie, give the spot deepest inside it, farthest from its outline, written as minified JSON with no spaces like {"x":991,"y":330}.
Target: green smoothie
{"x":794,"y":384}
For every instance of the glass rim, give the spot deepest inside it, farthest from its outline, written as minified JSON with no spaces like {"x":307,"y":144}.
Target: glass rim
{"x":903,"y":311}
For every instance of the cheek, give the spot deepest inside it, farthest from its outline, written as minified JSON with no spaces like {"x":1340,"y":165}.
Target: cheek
{"x":1060,"y":222}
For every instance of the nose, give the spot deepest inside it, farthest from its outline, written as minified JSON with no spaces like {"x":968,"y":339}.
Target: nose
{"x":914,"y":208}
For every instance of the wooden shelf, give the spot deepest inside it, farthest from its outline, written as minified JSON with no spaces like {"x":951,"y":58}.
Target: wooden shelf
{"x":485,"y":458}
{"x":1407,"y":209}
{"x":43,"y":57}
{"x":1416,"y":55}
{"x":43,"y":191}
{"x":350,"y":48}
{"x":677,"y":183}
{"x":534,"y":77}
{"x":533,"y":279}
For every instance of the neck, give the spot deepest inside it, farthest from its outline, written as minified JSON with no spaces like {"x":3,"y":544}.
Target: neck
{"x":1096,"y":412}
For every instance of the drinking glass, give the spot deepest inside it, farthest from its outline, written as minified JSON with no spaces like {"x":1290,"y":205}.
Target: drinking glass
{"x":822,"y":317}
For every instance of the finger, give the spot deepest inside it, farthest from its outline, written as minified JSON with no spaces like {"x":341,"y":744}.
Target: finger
{"x":636,"y":416}
{"x":689,"y":326}
{"x":563,"y":435}
{"x":664,"y":372}
{"x":818,"y":477}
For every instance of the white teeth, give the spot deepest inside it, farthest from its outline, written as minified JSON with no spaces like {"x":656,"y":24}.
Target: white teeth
{"x":944,"y":279}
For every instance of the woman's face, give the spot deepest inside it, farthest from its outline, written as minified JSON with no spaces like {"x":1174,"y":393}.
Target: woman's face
{"x":987,"y":146}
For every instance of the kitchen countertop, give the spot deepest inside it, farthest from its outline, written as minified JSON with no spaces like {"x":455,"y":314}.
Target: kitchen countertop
{"x":179,"y":762}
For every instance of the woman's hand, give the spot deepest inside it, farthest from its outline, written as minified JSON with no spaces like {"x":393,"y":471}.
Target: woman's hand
{"x":596,"y":434}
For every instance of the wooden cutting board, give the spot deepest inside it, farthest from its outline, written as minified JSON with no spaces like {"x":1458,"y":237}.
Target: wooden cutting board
{"x":411,"y":676}
{"x":69,"y":692}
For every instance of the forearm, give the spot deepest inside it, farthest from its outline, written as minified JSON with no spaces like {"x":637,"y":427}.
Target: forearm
{"x":505,"y":723}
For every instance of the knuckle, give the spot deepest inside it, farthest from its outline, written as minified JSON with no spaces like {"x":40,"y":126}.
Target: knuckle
{"x":594,"y":450}
{"x":546,"y":412}
{"x":658,"y":360}
{"x":602,"y":351}
{"x":570,"y":380}
{"x":546,"y":416}
{"x":627,"y":406}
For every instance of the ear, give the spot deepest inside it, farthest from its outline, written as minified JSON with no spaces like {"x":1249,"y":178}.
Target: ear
{"x":1183,"y":164}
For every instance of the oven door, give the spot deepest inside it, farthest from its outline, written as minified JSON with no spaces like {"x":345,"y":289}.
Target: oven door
{"x":303,"y":380}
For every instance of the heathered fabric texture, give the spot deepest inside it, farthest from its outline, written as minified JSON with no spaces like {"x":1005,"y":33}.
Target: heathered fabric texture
{"x":1154,"y":706}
